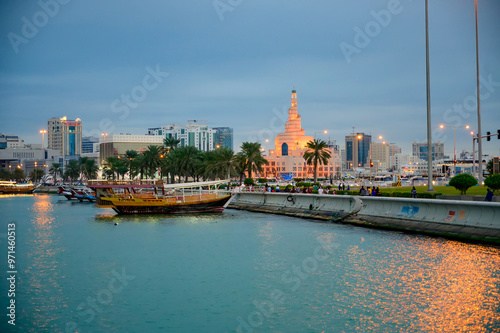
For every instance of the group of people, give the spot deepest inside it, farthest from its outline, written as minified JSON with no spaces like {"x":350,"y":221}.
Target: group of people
{"x":369,"y":191}
{"x":304,"y":189}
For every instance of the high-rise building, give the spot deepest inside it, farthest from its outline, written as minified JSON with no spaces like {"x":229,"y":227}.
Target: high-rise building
{"x":88,"y":143}
{"x":65,"y":135}
{"x":10,"y":141}
{"x":357,"y":149}
{"x":421,"y":150}
{"x":194,"y":134}
{"x":223,"y":137}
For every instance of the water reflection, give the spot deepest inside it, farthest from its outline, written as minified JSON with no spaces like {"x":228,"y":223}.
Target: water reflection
{"x":422,"y":284}
{"x":42,"y":266}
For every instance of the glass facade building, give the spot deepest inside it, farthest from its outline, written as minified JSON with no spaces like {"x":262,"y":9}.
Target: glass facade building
{"x":223,"y":137}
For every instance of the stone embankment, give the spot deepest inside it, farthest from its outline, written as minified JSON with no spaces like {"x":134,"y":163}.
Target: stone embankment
{"x":450,"y":218}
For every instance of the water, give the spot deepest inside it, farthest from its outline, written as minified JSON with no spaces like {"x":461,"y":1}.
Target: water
{"x":79,"y":272}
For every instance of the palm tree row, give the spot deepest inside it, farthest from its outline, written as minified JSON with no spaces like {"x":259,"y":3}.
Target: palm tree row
{"x":186,"y":162}
{"x":83,"y":168}
{"x":190,"y":163}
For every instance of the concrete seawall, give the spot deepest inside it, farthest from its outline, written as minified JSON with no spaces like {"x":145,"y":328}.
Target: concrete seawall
{"x":300,"y":205}
{"x":449,"y":218}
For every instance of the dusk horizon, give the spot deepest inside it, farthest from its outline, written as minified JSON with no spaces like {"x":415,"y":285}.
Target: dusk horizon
{"x":128,"y":68}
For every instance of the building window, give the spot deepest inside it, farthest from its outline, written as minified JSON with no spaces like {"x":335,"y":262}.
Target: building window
{"x":284,"y":149}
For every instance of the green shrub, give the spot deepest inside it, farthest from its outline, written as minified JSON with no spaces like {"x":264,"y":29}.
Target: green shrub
{"x":248,"y":181}
{"x":493,"y":182}
{"x":462,"y":182}
{"x":262,"y":180}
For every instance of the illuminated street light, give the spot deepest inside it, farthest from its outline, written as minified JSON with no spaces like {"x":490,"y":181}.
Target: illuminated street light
{"x":104,"y":135}
{"x":324,"y":132}
{"x":43,"y":137}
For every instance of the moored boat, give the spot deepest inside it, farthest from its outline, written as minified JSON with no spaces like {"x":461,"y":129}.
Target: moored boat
{"x":84,"y":194}
{"x":201,"y":197}
{"x":81,"y":193}
{"x":11,"y":187}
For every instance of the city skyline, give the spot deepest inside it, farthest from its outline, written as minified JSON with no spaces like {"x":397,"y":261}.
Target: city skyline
{"x":124,"y":69}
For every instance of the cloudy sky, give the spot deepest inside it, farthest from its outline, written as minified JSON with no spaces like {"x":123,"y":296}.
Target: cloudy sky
{"x":124,"y":66}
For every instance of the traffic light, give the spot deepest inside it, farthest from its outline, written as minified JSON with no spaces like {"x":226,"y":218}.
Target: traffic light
{"x":371,"y":164}
{"x":488,"y":137}
{"x":498,"y":131}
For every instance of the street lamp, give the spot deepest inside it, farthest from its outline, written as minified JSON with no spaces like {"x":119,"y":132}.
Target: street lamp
{"x":428,"y":94}
{"x":479,"y":135}
{"x":43,"y":137}
{"x":104,"y":135}
{"x":473,"y":153}
{"x":324,"y":132}
{"x":454,"y":147}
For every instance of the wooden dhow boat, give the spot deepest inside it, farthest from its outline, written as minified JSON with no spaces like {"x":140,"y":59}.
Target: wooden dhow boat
{"x":11,"y":187}
{"x":139,"y":198}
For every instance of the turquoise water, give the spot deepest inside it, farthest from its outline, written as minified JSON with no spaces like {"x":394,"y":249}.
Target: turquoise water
{"x":79,"y":272}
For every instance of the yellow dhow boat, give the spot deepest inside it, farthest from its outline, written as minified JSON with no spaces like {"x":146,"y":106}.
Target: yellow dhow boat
{"x":157,"y":198}
{"x":10,"y":187}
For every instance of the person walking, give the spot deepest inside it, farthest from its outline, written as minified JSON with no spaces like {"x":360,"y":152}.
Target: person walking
{"x":413,"y":192}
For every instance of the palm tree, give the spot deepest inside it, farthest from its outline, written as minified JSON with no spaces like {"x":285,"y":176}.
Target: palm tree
{"x":131,"y":156}
{"x":55,"y":170}
{"x":110,"y":166}
{"x":224,"y":161}
{"x":152,"y":159}
{"x":88,"y":167}
{"x":208,"y":167}
{"x":36,"y":175}
{"x":121,"y":167}
{"x":253,"y":157}
{"x":171,"y":143}
{"x":72,"y":170}
{"x":188,"y":161}
{"x":240,"y":165}
{"x":317,"y":153}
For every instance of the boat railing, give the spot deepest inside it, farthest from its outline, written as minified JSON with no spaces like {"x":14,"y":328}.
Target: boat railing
{"x":177,"y":196}
{"x":126,"y":182}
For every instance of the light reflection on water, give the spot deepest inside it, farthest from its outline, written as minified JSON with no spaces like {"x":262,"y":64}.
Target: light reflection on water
{"x":44,"y":270}
{"x":422,"y":284}
{"x":202,"y":272}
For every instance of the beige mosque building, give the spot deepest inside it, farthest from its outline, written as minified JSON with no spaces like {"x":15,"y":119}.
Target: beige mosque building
{"x":286,"y":161}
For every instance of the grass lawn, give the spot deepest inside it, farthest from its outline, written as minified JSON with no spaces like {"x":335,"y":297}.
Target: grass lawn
{"x":445,"y":190}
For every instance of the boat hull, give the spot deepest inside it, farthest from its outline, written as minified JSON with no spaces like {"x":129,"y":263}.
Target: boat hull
{"x":14,"y":188}
{"x":215,"y":206}
{"x":15,"y":191}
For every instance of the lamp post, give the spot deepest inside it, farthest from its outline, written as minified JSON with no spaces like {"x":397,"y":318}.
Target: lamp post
{"x":324,"y":132}
{"x":479,"y":138}
{"x":473,"y":153}
{"x":429,"y":127}
{"x":43,"y":137}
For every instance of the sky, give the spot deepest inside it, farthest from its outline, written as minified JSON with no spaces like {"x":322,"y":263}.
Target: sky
{"x":125,"y":66}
